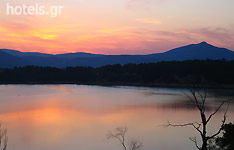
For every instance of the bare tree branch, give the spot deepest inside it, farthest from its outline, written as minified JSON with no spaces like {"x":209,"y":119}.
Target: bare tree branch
{"x":194,"y":140}
{"x":196,"y":125}
{"x":221,"y":127}
{"x":217,"y":109}
{"x":135,"y":145}
{"x":120,"y":134}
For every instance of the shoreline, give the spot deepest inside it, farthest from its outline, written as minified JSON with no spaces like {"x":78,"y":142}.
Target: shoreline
{"x":150,"y":85}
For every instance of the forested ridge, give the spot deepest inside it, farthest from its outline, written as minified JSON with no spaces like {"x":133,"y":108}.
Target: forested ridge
{"x":214,"y":72}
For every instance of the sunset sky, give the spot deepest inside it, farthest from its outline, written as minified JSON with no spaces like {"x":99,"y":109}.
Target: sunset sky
{"x":119,"y":26}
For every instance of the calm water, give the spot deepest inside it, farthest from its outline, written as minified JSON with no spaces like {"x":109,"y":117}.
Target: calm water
{"x":72,"y":117}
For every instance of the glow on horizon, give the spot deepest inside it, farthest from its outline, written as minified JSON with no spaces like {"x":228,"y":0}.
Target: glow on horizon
{"x":120,"y":27}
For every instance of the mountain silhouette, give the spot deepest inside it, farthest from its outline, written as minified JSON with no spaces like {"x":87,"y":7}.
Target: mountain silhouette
{"x":201,"y":51}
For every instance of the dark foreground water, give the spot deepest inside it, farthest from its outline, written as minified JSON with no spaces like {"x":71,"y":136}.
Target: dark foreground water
{"x":72,"y":117}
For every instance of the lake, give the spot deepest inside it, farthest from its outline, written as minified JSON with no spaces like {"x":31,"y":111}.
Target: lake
{"x":78,"y":117}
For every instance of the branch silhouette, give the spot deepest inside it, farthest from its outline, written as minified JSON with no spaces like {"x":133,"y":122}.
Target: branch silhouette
{"x":120,"y":135}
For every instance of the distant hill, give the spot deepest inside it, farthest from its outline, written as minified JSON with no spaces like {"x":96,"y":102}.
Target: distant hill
{"x":78,"y":55}
{"x":20,"y":54}
{"x":9,"y":61}
{"x":201,"y":51}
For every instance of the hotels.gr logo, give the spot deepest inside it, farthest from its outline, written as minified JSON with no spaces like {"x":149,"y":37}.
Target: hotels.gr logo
{"x":52,"y":11}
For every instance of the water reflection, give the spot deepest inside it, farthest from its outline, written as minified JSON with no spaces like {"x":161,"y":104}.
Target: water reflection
{"x":71,"y":117}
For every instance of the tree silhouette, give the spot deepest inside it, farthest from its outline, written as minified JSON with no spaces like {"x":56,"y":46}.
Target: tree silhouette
{"x":3,"y":138}
{"x":226,"y":141}
{"x":120,"y":135}
{"x":198,"y":97}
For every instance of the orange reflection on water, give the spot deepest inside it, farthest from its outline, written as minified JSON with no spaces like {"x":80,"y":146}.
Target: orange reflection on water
{"x":71,"y":117}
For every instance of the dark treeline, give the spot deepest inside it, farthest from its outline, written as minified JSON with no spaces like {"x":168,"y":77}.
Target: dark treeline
{"x":214,"y":72}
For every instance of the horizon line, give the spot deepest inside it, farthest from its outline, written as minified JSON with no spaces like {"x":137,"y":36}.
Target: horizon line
{"x":109,"y":54}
